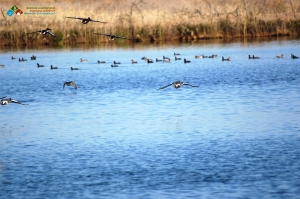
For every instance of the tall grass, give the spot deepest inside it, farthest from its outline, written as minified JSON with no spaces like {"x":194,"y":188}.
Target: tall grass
{"x":151,"y":20}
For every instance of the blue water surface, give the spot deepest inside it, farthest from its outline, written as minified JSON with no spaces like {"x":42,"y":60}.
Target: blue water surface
{"x":118,"y":135}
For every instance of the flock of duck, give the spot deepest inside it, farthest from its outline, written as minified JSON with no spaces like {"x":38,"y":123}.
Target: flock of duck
{"x":111,"y":37}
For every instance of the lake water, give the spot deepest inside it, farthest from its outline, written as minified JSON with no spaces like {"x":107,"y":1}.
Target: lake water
{"x":237,"y":135}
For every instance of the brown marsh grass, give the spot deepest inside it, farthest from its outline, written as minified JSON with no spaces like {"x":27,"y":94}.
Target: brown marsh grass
{"x":153,"y":20}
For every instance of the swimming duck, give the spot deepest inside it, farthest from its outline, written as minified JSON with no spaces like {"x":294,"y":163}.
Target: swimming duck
{"x":69,"y":84}
{"x":44,"y":32}
{"x":253,"y":57}
{"x":158,"y":60}
{"x":212,"y":56}
{"x":6,"y":101}
{"x":281,"y":56}
{"x":111,"y":36}
{"x":149,"y":61}
{"x":167,"y":60}
{"x":164,"y":57}
{"x":83,"y":60}
{"x":116,"y":62}
{"x":33,"y":57}
{"x":85,"y":20}
{"x":228,"y":59}
{"x":186,"y":61}
{"x":176,"y":54}
{"x":2,"y":66}
{"x":13,"y":57}
{"x":74,"y":68}
{"x":52,"y":67}
{"x":101,"y":62}
{"x":177,"y":58}
{"x":114,"y":65}
{"x":38,"y":65}
{"x":199,"y":56}
{"x":177,"y":84}
{"x":294,"y":57}
{"x":134,"y":62}
{"x":22,"y":59}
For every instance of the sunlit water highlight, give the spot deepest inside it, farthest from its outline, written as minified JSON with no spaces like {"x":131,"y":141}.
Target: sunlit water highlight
{"x":118,"y":136}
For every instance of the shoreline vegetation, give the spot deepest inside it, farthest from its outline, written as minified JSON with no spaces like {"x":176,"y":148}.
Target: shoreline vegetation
{"x":149,"y":21}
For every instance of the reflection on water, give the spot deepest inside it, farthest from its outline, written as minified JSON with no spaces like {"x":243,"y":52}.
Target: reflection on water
{"x":119,"y":136}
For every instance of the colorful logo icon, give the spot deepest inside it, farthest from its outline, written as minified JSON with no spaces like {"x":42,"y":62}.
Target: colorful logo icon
{"x":14,"y":9}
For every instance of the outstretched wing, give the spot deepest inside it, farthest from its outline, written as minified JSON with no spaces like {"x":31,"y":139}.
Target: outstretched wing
{"x":166,"y":86}
{"x":53,"y":35}
{"x":76,"y":18}
{"x":3,"y":97}
{"x":34,"y":32}
{"x":102,"y":34}
{"x":75,"y":86}
{"x":184,"y":83}
{"x":97,"y":21}
{"x":14,"y":101}
{"x":64,"y":85}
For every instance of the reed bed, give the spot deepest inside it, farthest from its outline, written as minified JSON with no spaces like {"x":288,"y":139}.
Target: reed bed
{"x":145,"y":21}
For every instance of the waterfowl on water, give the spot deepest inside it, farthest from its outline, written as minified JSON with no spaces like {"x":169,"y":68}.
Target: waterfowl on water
{"x":226,"y":59}
{"x":114,"y":65}
{"x":83,"y":60}
{"x":52,"y":67}
{"x":44,"y":32}
{"x":33,"y":57}
{"x":177,"y":58}
{"x":133,"y":62}
{"x":177,"y":84}
{"x":6,"y":101}
{"x":13,"y":57}
{"x":253,"y":57}
{"x":199,"y":56}
{"x":111,"y":36}
{"x":164,"y":57}
{"x":101,"y":62}
{"x":86,"y":20}
{"x":74,"y":68}
{"x":116,"y":62}
{"x":149,"y":61}
{"x":22,"y":59}
{"x":176,"y":54}
{"x":167,"y":60}
{"x":2,"y":66}
{"x":212,"y":56}
{"x":38,"y":65}
{"x":294,"y":57}
{"x":69,"y":84}
{"x":186,"y":61}
{"x":281,"y":56}
{"x":158,"y":60}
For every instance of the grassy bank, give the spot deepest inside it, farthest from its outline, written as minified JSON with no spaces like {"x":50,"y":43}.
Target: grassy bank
{"x":155,"y":20}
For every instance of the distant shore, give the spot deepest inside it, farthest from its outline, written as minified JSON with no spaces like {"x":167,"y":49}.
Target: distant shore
{"x":144,"y":22}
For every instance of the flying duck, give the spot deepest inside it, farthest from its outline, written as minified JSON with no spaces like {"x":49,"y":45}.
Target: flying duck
{"x":85,"y":20}
{"x":6,"y":101}
{"x":228,"y":59}
{"x":177,"y":84}
{"x":44,"y":32}
{"x":69,"y":84}
{"x":111,"y":36}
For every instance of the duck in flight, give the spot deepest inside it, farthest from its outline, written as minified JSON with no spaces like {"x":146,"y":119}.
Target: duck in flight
{"x":69,"y":84}
{"x":44,"y":32}
{"x":177,"y":84}
{"x":86,"y":20}
{"x":6,"y":101}
{"x":111,"y":36}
